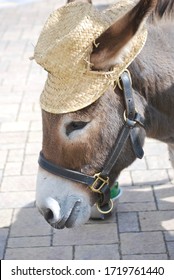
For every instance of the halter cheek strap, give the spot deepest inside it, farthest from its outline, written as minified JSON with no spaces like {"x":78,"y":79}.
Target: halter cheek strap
{"x":99,"y":183}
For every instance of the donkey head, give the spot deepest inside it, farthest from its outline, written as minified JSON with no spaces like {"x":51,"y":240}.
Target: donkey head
{"x":83,"y":140}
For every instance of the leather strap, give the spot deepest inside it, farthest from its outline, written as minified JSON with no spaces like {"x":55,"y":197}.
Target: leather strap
{"x":126,"y":84}
{"x":136,"y":144}
{"x":131,"y":120}
{"x":132,"y":115}
{"x":64,"y":172}
{"x":116,"y":152}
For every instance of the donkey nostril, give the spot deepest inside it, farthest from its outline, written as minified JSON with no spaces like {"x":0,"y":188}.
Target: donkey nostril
{"x":48,"y":214}
{"x":51,"y":210}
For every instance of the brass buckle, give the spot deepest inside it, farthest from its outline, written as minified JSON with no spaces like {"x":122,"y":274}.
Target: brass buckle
{"x":98,"y":179}
{"x":111,"y":205}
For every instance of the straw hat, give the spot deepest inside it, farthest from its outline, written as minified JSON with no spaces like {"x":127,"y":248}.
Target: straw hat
{"x":63,"y":50}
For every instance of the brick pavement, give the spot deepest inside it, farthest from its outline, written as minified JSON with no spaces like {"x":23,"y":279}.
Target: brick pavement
{"x":143,"y":226}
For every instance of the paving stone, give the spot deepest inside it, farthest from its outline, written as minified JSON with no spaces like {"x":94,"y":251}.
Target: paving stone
{"x":33,"y":90}
{"x":28,"y":241}
{"x":136,"y":194}
{"x":30,"y":97}
{"x":165,"y":197}
{"x":28,"y":222}
{"x":9,"y":146}
{"x":30,"y":165}
{"x":16,"y":199}
{"x":6,"y":98}
{"x":1,"y":172}
{"x":3,"y":46}
{"x":138,"y":164}
{"x":35,"y":136}
{"x":26,"y":108}
{"x":97,"y":252}
{"x":18,"y":48}
{"x":18,"y":183}
{"x":135,"y":206}
{"x":3,"y":240}
{"x":15,"y":138}
{"x":109,"y":219}
{"x":128,"y":222}
{"x":5,"y":89}
{"x":87,"y":235}
{"x":13,"y":168}
{"x":155,"y":148}
{"x":36,"y":107}
{"x":14,"y":126}
{"x":34,"y":116}
{"x":41,"y":253}
{"x":171,"y":175}
{"x":150,"y":177}
{"x":158,"y":162}
{"x":169,"y":235}
{"x":142,"y":243}
{"x":15,"y":155}
{"x":33,"y":148}
{"x":36,"y":126}
{"x":125,"y":179}
{"x":8,"y":112}
{"x":157,"y":220}
{"x":5,"y":217}
{"x":170,"y":247}
{"x":3,"y":156}
{"x":146,"y":257}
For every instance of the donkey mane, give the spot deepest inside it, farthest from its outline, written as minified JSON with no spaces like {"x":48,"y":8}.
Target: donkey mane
{"x":164,"y":10}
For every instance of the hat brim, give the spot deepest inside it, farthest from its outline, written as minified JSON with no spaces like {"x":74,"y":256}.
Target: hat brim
{"x":72,"y":91}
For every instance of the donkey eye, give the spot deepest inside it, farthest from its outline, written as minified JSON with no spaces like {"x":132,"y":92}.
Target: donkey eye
{"x":75,"y":126}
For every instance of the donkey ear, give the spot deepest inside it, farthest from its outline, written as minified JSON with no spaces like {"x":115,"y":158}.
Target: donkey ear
{"x":113,"y":43}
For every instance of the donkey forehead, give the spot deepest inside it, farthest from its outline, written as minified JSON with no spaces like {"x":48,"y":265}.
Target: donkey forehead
{"x":107,"y":105}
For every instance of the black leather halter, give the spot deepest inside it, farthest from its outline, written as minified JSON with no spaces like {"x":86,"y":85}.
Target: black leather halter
{"x":99,"y":183}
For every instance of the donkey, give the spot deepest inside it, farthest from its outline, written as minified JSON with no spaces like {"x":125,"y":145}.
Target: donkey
{"x":83,"y":141}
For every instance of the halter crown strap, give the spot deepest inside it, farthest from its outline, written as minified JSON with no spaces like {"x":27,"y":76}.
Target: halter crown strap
{"x":132,"y":118}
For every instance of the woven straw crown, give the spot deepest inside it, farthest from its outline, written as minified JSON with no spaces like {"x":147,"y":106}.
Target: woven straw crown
{"x":64,"y":49}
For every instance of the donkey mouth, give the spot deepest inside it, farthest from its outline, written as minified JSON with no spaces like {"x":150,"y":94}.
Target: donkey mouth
{"x":69,"y":218}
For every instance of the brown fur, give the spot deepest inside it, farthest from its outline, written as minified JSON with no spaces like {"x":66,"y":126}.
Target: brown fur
{"x":153,"y":88}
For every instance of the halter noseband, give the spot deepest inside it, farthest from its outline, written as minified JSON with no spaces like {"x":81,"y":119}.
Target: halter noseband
{"x":99,"y":183}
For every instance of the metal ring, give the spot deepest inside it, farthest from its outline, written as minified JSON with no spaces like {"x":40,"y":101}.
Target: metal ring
{"x":111,"y":204}
{"x":129,"y":122}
